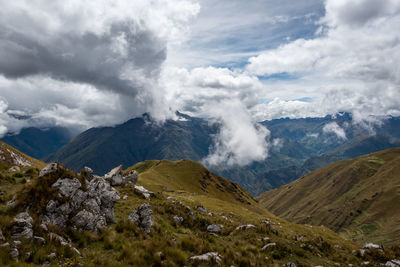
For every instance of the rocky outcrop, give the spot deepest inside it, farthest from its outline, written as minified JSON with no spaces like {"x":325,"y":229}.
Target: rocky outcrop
{"x":22,"y":226}
{"x":52,"y":167}
{"x":209,"y":257}
{"x":141,"y":191}
{"x":143,"y":217}
{"x":89,"y":209}
{"x":114,"y":177}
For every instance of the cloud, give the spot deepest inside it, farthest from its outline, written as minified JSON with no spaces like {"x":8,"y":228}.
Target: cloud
{"x":240,"y":141}
{"x":84,"y":64}
{"x":334,"y":128}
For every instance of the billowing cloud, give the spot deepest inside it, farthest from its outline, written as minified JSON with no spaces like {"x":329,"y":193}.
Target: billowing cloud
{"x":334,"y":128}
{"x":88,"y":63}
{"x":240,"y":141}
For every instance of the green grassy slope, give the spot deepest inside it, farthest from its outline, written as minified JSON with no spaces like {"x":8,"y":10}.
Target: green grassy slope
{"x":358,"y":198}
{"x":170,"y":244}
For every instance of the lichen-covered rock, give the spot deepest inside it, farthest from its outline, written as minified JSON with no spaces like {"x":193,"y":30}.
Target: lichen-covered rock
{"x":214,"y":228}
{"x":52,"y":167}
{"x":114,"y":177}
{"x":88,"y":172}
{"x":207,"y":257}
{"x":90,"y":208}
{"x":22,"y":226}
{"x":14,"y":254}
{"x":143,"y":217}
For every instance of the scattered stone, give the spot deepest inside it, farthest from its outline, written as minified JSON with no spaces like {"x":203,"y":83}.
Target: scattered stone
{"x":214,"y":228}
{"x":265,"y":239}
{"x":269,"y":245}
{"x":93,"y":208}
{"x":208,"y":257}
{"x":14,"y":169}
{"x":131,"y":177}
{"x":268,"y":224}
{"x":2,"y":193}
{"x":171,"y":199}
{"x":52,"y":256}
{"x":52,"y":167}
{"x":12,"y":203}
{"x":290,"y":264}
{"x":178,"y":219}
{"x":114,"y":177}
{"x":373,"y":246}
{"x":15,"y":244}
{"x":22,"y":226}
{"x":201,"y":209}
{"x":362,"y":252}
{"x":245,"y":227}
{"x":39,"y":240}
{"x":298,"y":238}
{"x":140,"y":190}
{"x":125,"y":197}
{"x":44,"y":227}
{"x":393,"y":263}
{"x":143,"y":217}
{"x":365,"y":263}
{"x":5,"y":245}
{"x":14,"y":253}
{"x":2,"y":239}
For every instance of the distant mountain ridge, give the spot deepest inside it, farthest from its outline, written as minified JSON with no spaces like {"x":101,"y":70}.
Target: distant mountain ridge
{"x":302,"y":146}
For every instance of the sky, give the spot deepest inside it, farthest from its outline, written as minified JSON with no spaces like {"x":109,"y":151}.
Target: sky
{"x":83,"y":64}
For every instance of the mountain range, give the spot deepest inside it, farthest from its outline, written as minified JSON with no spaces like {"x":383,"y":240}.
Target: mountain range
{"x":301,"y":145}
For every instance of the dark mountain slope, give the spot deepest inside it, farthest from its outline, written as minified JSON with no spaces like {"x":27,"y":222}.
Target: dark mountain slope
{"x":39,"y":143}
{"x":356,"y":197}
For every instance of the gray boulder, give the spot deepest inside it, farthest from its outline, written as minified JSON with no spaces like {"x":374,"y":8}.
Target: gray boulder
{"x":67,"y":187}
{"x":22,"y":226}
{"x":214,"y":228}
{"x":52,"y":167}
{"x":132,"y":177}
{"x":2,"y":239}
{"x":114,"y":177}
{"x":207,"y":257}
{"x":393,"y":263}
{"x":143,"y":217}
{"x":178,"y":219}
{"x":14,"y":254}
{"x":373,"y":246}
{"x":14,"y":169}
{"x":246,"y":227}
{"x":141,"y":191}
{"x":201,"y":209}
{"x":269,"y":245}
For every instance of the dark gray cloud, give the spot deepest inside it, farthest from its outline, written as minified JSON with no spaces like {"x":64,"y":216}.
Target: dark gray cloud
{"x":99,"y":60}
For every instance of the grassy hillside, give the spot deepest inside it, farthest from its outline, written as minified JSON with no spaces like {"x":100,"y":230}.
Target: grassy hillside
{"x":178,"y":186}
{"x":356,"y":197}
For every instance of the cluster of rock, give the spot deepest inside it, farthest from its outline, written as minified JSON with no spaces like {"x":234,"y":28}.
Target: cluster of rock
{"x":89,"y":208}
{"x":142,"y":217}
